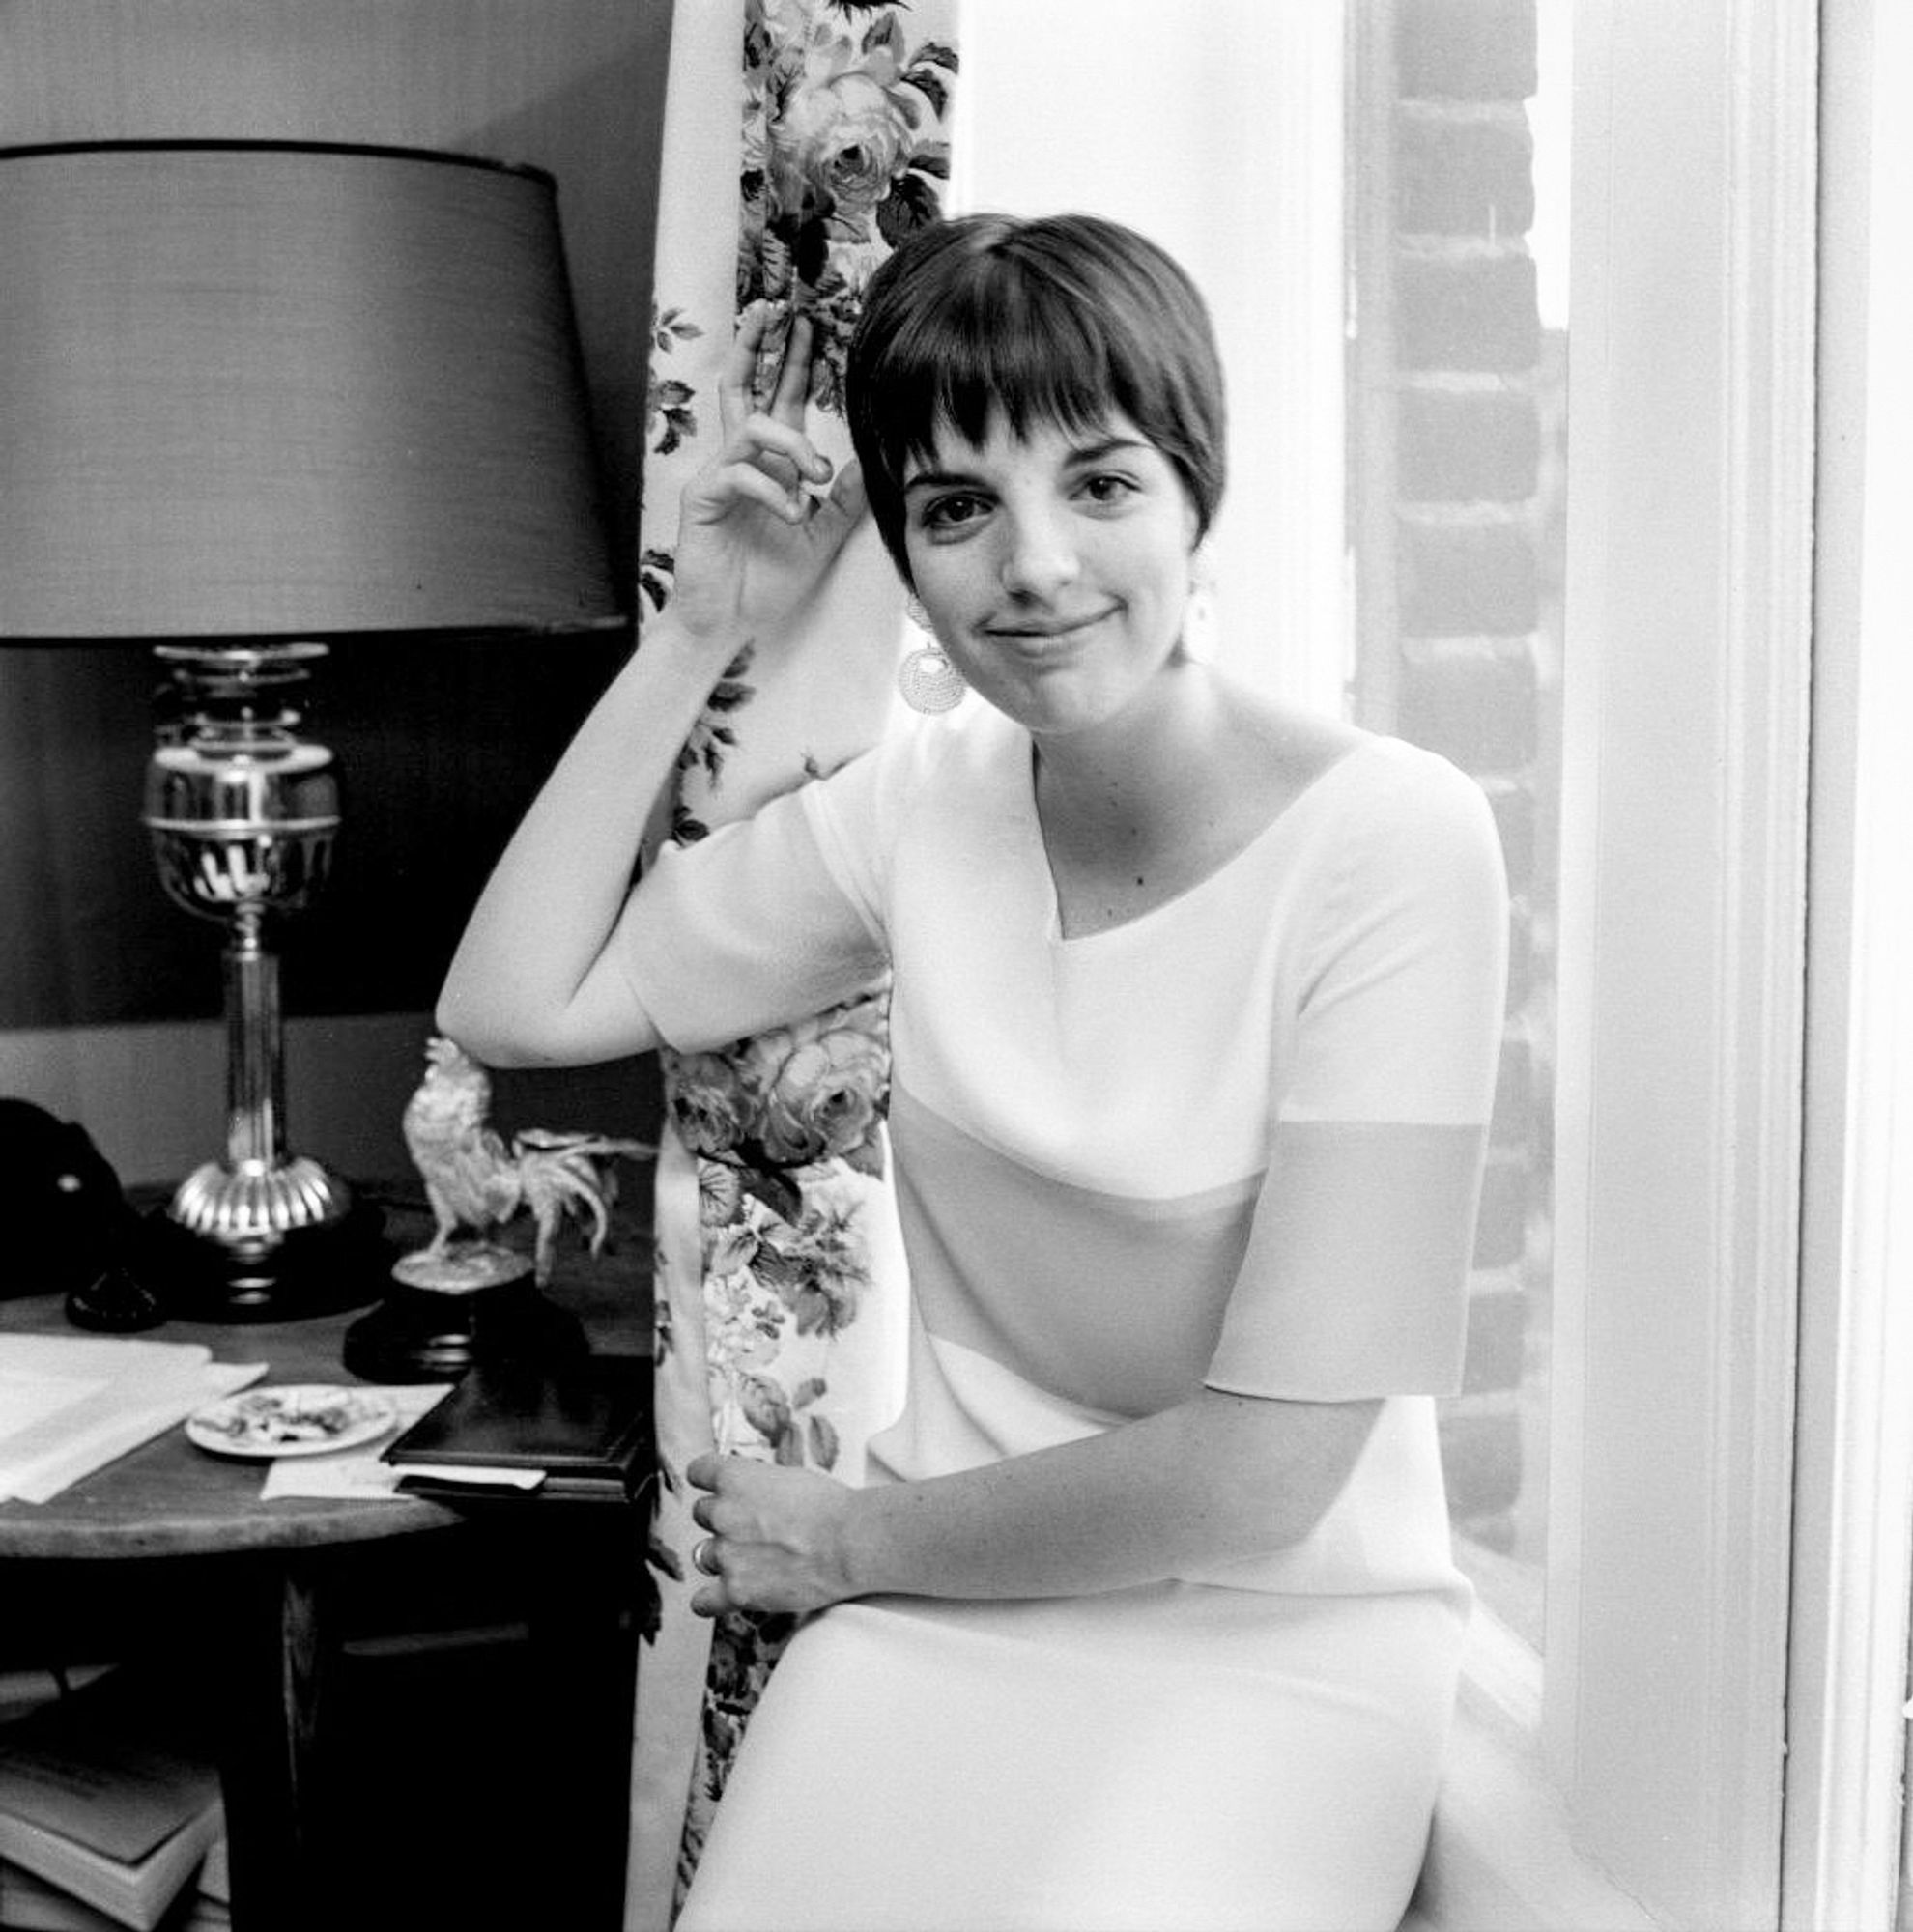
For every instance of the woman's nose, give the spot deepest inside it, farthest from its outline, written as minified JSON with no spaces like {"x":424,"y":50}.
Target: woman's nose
{"x":1039,"y":557}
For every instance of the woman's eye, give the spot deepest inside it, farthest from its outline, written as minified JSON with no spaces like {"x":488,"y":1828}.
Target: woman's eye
{"x":1108,"y":488}
{"x":952,"y":512}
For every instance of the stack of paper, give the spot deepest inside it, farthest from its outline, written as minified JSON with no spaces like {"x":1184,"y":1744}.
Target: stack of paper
{"x":71,"y":1405}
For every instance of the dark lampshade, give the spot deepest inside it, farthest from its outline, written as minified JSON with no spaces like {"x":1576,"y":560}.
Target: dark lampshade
{"x":283,"y":390}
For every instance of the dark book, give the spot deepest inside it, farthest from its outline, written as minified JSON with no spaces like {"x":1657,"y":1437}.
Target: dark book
{"x":584,"y":1427}
{"x":108,"y":1796}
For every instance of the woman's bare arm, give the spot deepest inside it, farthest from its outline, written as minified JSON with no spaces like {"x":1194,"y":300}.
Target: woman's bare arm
{"x":1216,"y":1479}
{"x":532,"y":981}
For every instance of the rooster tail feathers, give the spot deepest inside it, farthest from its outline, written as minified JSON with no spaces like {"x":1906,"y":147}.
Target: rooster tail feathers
{"x":561,"y":1174}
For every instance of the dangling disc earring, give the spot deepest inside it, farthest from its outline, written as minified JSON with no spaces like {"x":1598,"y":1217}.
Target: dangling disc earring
{"x":1199,"y":614}
{"x":928,"y":681}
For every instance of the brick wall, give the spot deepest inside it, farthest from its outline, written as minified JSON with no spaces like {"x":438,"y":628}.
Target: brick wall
{"x":1456,"y":421}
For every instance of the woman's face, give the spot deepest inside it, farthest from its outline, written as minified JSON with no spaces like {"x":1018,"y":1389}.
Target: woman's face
{"x":1054,"y":567}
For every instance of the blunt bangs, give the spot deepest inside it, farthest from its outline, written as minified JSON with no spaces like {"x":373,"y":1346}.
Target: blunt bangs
{"x":1068,"y":321}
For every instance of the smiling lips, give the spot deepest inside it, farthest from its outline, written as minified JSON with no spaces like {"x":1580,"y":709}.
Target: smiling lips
{"x":1033,"y":631}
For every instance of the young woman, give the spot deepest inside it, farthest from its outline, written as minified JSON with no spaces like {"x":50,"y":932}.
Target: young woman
{"x":1148,"y":1618}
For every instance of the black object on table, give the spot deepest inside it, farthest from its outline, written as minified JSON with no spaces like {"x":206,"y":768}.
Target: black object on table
{"x":583,"y":1427}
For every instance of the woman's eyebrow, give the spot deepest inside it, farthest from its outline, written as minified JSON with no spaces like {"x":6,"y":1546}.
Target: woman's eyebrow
{"x":938,"y":479}
{"x":1099,"y":451}
{"x":1112,"y":445}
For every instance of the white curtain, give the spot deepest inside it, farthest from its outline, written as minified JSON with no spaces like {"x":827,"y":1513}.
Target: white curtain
{"x":802,"y":139}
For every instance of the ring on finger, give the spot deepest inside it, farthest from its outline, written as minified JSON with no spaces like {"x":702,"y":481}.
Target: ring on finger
{"x":704,"y":1556}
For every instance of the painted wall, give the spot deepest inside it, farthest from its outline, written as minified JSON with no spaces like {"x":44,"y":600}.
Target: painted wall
{"x":1234,"y":162}
{"x":574,"y":87}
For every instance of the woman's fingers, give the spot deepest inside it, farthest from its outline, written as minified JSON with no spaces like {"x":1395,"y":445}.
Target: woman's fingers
{"x":767,"y":370}
{"x":737,"y":380}
{"x":713,"y":1600}
{"x":791,"y":390}
{"x":778,"y":452}
{"x":764,"y":519}
{"x":759,"y":473}
{"x":782,"y":470}
{"x":766,"y":378}
{"x":734,"y":481}
{"x":772,"y":1538}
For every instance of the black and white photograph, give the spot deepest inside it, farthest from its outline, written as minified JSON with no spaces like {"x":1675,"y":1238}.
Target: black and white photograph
{"x":955,"y":965}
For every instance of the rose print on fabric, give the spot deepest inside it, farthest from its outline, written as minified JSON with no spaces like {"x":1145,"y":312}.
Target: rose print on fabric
{"x":789,"y":1096}
{"x":786,"y":1128}
{"x":843,"y":157}
{"x":743,"y":1652}
{"x":770,"y":1121}
{"x":670,"y":419}
{"x":711,"y":739}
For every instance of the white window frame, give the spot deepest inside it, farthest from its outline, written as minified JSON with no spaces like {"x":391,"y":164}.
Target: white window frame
{"x":1853,"y":1527}
{"x":1683,"y":938}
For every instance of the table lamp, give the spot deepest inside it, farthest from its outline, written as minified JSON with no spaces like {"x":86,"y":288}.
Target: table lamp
{"x":258,"y":400}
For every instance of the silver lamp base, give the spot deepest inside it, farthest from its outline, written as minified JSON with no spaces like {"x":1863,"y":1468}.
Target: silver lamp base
{"x":267,"y":1242}
{"x":317,"y":1270}
{"x":243,"y":812}
{"x":253,"y":1209}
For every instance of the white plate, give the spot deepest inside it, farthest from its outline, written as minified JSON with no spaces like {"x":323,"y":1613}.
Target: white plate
{"x":292,"y":1419}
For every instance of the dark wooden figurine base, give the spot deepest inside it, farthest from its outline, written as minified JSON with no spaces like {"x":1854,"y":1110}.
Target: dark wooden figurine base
{"x":422,"y":1334}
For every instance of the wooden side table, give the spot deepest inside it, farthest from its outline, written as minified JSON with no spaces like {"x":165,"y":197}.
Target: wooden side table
{"x":170,"y":1531}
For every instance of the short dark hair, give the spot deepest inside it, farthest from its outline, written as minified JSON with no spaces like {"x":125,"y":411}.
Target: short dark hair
{"x":1064,"y":320}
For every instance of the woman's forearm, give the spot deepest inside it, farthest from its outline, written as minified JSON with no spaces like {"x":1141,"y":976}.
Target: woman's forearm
{"x":529,"y":982}
{"x":1219,"y":1478}
{"x":533,"y":980}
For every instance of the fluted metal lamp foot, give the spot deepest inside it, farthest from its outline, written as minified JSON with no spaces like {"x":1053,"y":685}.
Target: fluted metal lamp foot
{"x":242,"y":815}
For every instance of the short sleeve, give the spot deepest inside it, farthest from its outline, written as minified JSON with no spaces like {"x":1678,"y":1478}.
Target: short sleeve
{"x":754,"y":927}
{"x":1354,"y":1279}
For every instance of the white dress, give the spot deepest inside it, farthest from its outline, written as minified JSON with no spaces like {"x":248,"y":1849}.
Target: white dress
{"x":1237,"y":1142}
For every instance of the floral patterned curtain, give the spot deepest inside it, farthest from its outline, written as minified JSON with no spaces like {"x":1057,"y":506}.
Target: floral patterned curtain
{"x":781,"y":1288}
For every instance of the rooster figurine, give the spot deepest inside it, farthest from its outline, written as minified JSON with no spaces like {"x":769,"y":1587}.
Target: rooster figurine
{"x":475,"y":1181}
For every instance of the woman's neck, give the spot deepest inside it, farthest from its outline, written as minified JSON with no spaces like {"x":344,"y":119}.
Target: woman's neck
{"x":1136,"y":812}
{"x":1133,"y":782}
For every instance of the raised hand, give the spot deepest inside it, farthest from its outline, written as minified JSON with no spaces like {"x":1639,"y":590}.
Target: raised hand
{"x":758,"y":530}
